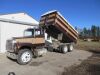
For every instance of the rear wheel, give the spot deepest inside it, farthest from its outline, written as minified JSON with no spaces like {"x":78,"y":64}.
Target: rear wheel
{"x":64,"y":49}
{"x":24,"y":56}
{"x":70,"y":48}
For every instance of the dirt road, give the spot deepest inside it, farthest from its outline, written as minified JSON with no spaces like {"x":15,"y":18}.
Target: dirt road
{"x":51,"y":64}
{"x":90,"y":66}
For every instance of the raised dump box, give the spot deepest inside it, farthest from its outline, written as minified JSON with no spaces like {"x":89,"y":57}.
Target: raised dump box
{"x":58,"y":27}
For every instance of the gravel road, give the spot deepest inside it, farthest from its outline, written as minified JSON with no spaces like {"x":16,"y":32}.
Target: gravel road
{"x":51,"y":64}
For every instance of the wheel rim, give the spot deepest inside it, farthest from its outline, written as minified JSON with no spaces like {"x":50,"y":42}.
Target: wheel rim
{"x":71,"y":47}
{"x":26,"y":57}
{"x":65,"y":49}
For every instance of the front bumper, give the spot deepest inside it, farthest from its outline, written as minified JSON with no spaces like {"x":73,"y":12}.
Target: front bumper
{"x":11,"y":55}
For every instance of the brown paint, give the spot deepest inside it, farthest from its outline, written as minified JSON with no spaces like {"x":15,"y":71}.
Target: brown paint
{"x":32,"y":40}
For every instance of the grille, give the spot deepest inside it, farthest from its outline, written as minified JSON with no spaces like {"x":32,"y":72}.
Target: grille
{"x":9,"y":45}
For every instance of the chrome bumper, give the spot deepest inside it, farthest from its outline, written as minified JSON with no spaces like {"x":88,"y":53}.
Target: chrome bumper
{"x":11,"y":55}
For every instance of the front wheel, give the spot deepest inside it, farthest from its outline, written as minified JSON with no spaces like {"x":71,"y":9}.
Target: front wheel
{"x":24,"y":56}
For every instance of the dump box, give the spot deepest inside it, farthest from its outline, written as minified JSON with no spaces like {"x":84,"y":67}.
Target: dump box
{"x":58,"y":27}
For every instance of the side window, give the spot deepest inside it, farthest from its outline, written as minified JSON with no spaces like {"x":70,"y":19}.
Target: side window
{"x":42,"y":32}
{"x":37,"y":33}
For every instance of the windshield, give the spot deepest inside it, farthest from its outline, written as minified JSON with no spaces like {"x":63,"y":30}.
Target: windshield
{"x":29,"y":32}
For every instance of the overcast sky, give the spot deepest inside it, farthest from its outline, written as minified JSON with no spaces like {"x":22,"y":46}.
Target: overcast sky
{"x":80,"y":13}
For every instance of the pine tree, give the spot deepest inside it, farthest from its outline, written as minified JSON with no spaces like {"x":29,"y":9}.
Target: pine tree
{"x":93,"y":30}
{"x":85,"y":32}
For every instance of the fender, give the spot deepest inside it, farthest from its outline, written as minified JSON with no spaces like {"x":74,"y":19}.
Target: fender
{"x":19,"y":46}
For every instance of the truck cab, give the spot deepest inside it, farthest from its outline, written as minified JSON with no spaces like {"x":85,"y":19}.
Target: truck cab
{"x":24,"y":48}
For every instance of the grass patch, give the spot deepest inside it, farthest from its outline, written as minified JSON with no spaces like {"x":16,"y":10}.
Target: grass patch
{"x":86,"y":45}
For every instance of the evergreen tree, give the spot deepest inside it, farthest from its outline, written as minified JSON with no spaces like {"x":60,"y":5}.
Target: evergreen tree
{"x":85,"y":32}
{"x":98,"y":32}
{"x":93,"y":30}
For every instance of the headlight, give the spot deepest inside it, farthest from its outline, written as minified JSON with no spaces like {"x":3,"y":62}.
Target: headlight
{"x":14,"y":41}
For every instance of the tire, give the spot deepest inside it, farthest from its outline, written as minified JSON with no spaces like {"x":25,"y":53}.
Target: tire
{"x":70,"y":48}
{"x":64,"y":49}
{"x":24,"y":56}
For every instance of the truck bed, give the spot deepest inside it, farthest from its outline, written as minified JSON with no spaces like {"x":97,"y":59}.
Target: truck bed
{"x":58,"y":27}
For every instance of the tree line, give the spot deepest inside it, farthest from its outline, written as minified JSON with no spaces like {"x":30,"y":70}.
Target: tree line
{"x":93,"y":32}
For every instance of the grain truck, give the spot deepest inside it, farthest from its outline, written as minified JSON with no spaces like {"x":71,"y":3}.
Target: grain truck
{"x":53,"y":34}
